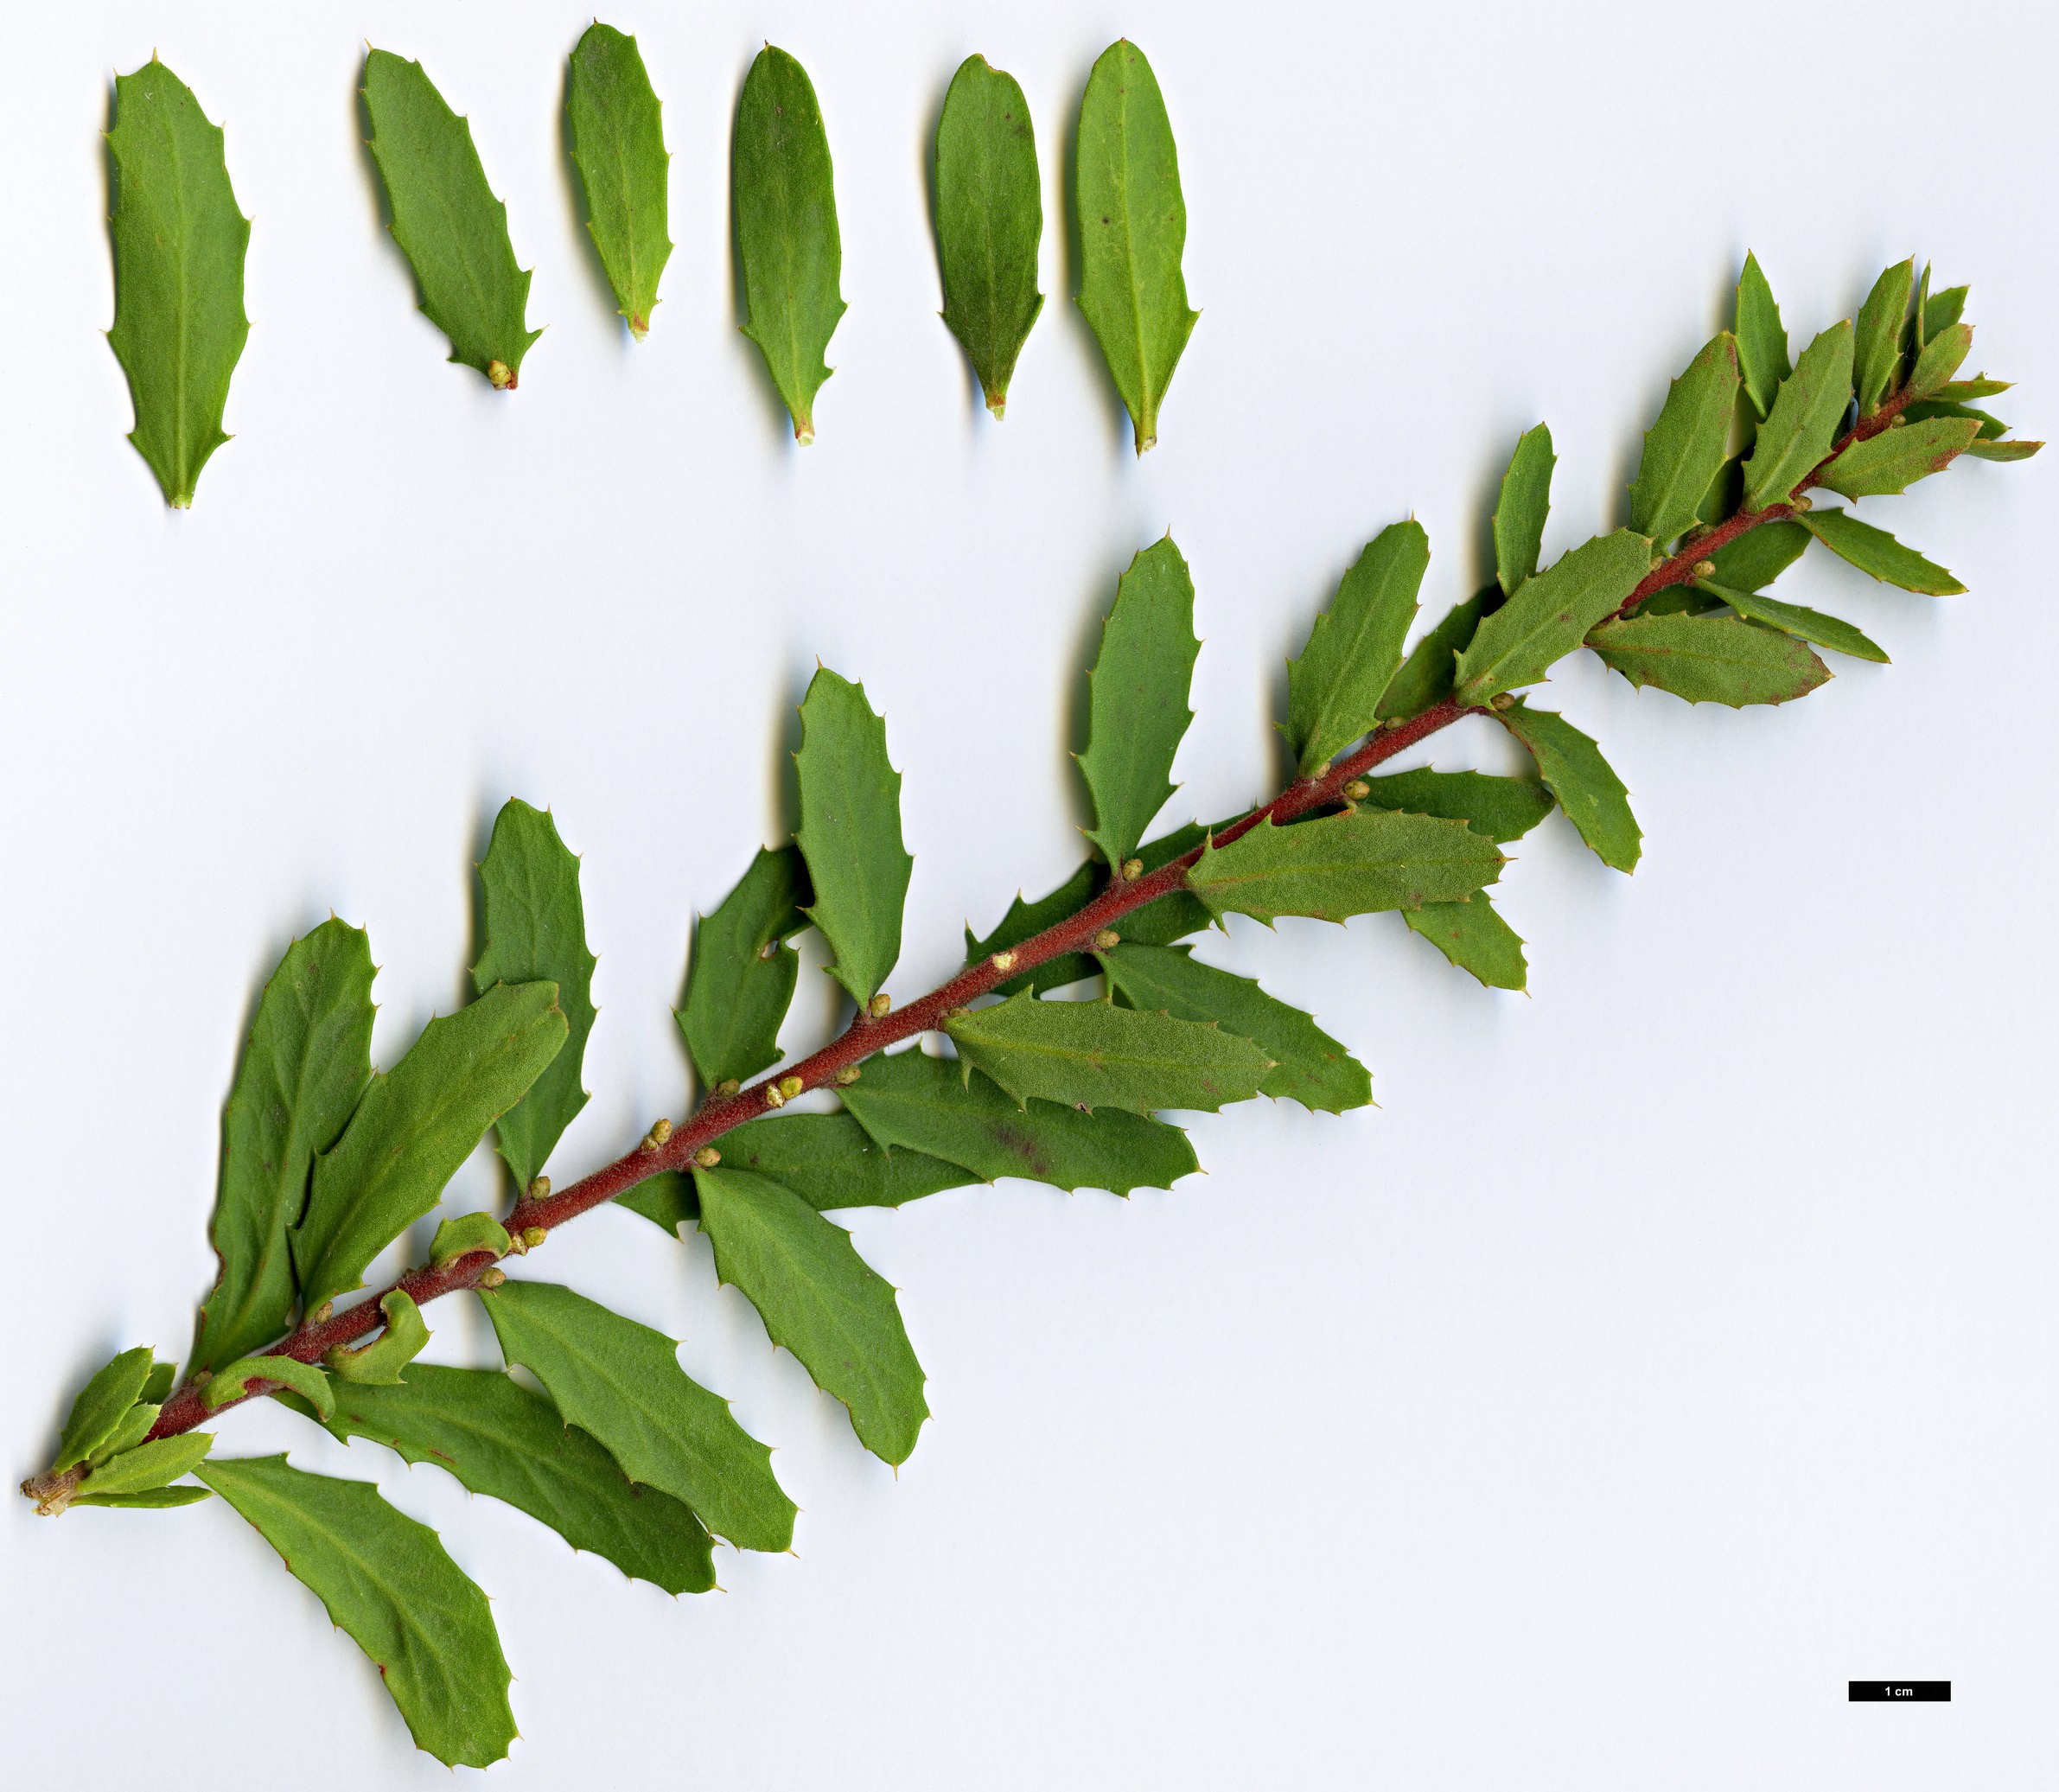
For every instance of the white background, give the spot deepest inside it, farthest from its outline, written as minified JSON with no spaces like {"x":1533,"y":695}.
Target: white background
{"x":1669,"y":1346}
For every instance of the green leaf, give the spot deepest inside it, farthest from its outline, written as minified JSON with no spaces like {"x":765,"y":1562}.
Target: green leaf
{"x":416,"y":1123}
{"x":830,"y":1160}
{"x":157,"y":1389}
{"x":1761,"y":338}
{"x":788,"y":249}
{"x":135,"y":1425}
{"x":179,"y":244}
{"x":1684,"y":450}
{"x":1357,"y":863}
{"x":1525,"y":501}
{"x":1876,"y":552}
{"x":1941,"y":358}
{"x":1725,"y":494}
{"x":990,"y":219}
{"x":1473,"y":935}
{"x":1877,"y":349}
{"x":232,"y":1382}
{"x":535,"y":929}
{"x":740,"y":979}
{"x":819,"y":1300}
{"x":447,"y":221}
{"x":1895,"y":459}
{"x":1503,"y":809}
{"x":1024,"y":920}
{"x":911,"y":1102}
{"x":152,"y":1499}
{"x":149,"y":1466}
{"x":389,"y":1586}
{"x":1133,"y":230}
{"x":1758,"y":557}
{"x":617,"y":144}
{"x":2003,"y":450}
{"x":378,"y":1364}
{"x":1094,"y":1055}
{"x":102,"y":1404}
{"x":1941,"y":311}
{"x":1803,"y":426}
{"x":1425,"y":675}
{"x":1589,"y":791}
{"x":1803,"y":623}
{"x":1709,"y":659}
{"x":466,"y":1233}
{"x":1138,"y":699}
{"x":850,"y":832}
{"x":1991,"y":427}
{"x":1963,"y":392}
{"x":1308,"y":1065}
{"x":500,"y":1439}
{"x":1549,"y":615}
{"x":1175,"y":916}
{"x":307,"y":1062}
{"x":1355,"y":648}
{"x":622,"y":1383}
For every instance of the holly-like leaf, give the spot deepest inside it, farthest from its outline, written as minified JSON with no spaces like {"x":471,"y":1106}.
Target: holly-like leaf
{"x":134,"y":1427}
{"x":911,"y":1102}
{"x":819,"y":1300}
{"x":1525,"y":503}
{"x":621,"y":1382}
{"x":740,"y":980}
{"x":1549,"y":615}
{"x":1425,"y":675}
{"x":1474,"y":936}
{"x":2003,"y":450}
{"x":1877,"y":347}
{"x":1173,"y":917}
{"x":233,"y":1380}
{"x":1133,"y":233}
{"x":1094,"y":1055}
{"x":1941,"y":358}
{"x":535,"y":929}
{"x":416,"y":1124}
{"x":1025,"y":920}
{"x":1503,"y":809}
{"x":830,"y":1160}
{"x":1358,"y":862}
{"x":1684,"y":450}
{"x":157,"y":1389}
{"x":1875,"y":551}
{"x":1761,"y":338}
{"x":179,"y":244}
{"x":1939,"y":310}
{"x":850,"y":832}
{"x":447,"y":221}
{"x":617,"y":144}
{"x":1308,"y":1065}
{"x":152,"y":1499}
{"x":990,"y":219}
{"x":500,"y":1439}
{"x":788,"y":247}
{"x":1588,"y":790}
{"x":307,"y":1064}
{"x":1756,"y":557}
{"x":1895,"y":459}
{"x":1802,"y":426}
{"x":1803,"y":623}
{"x":1355,"y":648}
{"x":101,"y":1405}
{"x":149,"y":1466}
{"x":378,"y":1364}
{"x":1709,"y":659}
{"x":387,"y":1583}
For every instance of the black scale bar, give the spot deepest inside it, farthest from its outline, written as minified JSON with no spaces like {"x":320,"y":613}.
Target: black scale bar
{"x":1900,"y":1691}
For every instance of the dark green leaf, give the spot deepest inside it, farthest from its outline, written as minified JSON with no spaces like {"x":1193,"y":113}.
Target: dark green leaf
{"x":1549,"y":615}
{"x":149,"y":1466}
{"x":233,"y":1380}
{"x":740,"y":981}
{"x":990,"y":219}
{"x":1803,"y":623}
{"x":179,"y":244}
{"x":1358,"y":862}
{"x":1024,"y":920}
{"x":1758,"y":557}
{"x":1684,"y":450}
{"x":1877,"y":349}
{"x":1709,"y":659}
{"x":378,"y":1364}
{"x":1803,"y":426}
{"x":500,"y":1439}
{"x":416,"y":1124}
{"x":101,"y":1405}
{"x":1726,"y":494}
{"x":1895,"y":459}
{"x":830,"y":1160}
{"x":1593,"y":797}
{"x":1308,"y":1065}
{"x":1525,"y":501}
{"x":1941,"y":310}
{"x":1940,"y":358}
{"x":622,"y":1383}
{"x":153,"y":1499}
{"x":447,"y":221}
{"x":850,"y":832}
{"x":1425,"y":675}
{"x":1176,"y":916}
{"x":157,"y":1389}
{"x":1761,"y":338}
{"x":819,"y":1300}
{"x":666,"y":1200}
{"x":1876,"y":552}
{"x":788,"y":248}
{"x":1991,"y":427}
{"x":1473,"y":935}
{"x":388,"y":1583}
{"x":617,"y":144}
{"x":1503,"y":809}
{"x":1133,"y":230}
{"x":1354,"y":649}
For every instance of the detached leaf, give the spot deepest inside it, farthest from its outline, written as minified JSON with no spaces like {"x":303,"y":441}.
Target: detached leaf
{"x":1355,"y":648}
{"x":911,"y":1102}
{"x":388,"y":1583}
{"x":1895,"y":459}
{"x":1425,"y":675}
{"x":415,"y":1125}
{"x":740,"y":979}
{"x":1709,"y":659}
{"x":1357,"y":863}
{"x":447,"y":221}
{"x":535,"y":928}
{"x":1803,"y":426}
{"x":1758,"y":557}
{"x":1137,"y":708}
{"x":500,"y":1439}
{"x":1804,"y":624}
{"x":1761,"y":338}
{"x":307,"y":1062}
{"x":1526,"y":502}
{"x":850,"y":832}
{"x":617,"y":144}
{"x":788,"y":247}
{"x":102,"y":1404}
{"x":149,"y":1466}
{"x":819,"y":1300}
{"x":1876,"y":552}
{"x":990,"y":219}
{"x":1474,"y":936}
{"x":1876,"y":349}
{"x":1308,"y":1065}
{"x":1094,"y":1055}
{"x":1593,"y":797}
{"x":621,"y":1382}
{"x":1684,"y":450}
{"x":1503,"y":809}
{"x":179,"y":245}
{"x":1133,"y":233}
{"x":1550,"y":615}
{"x":1025,"y":921}
{"x":830,"y":1160}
